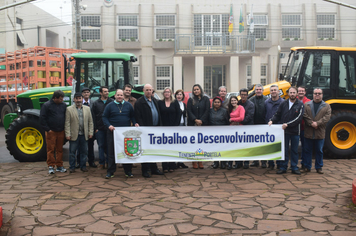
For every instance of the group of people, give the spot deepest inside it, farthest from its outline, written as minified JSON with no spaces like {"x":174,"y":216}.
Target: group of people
{"x":301,"y":119}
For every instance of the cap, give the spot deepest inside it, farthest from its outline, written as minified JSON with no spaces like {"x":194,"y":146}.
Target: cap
{"x":78,"y":94}
{"x":85,"y":88}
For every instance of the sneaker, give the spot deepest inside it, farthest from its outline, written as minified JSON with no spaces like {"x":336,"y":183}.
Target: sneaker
{"x":109,"y":175}
{"x":50,"y":170}
{"x":129,"y":174}
{"x":71,"y":170}
{"x":320,"y":171}
{"x":61,"y":169}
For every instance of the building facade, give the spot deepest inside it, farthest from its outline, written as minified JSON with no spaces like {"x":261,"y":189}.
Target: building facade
{"x":181,"y":43}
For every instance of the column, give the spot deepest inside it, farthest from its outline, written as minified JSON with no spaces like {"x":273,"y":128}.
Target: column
{"x":178,"y":73}
{"x":234,"y":74}
{"x":199,"y":71}
{"x":256,"y":70}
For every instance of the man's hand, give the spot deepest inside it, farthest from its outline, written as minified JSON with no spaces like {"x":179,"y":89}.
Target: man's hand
{"x":314,"y":125}
{"x":137,"y":125}
{"x":68,"y":138}
{"x":284,"y":126}
{"x":270,"y":123}
{"x":96,"y":131}
{"x":111,"y":128}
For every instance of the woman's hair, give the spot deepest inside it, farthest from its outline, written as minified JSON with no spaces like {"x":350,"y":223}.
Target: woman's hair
{"x":179,"y":91}
{"x":170,"y":90}
{"x":196,"y":98}
{"x":230,"y":106}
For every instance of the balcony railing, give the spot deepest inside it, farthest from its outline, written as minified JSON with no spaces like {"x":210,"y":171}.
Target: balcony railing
{"x":213,"y":43}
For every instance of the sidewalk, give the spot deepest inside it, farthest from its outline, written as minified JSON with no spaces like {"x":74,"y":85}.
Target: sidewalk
{"x":187,"y":202}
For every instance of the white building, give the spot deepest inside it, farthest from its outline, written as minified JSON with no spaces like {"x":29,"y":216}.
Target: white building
{"x":26,"y":26}
{"x":180,"y":43}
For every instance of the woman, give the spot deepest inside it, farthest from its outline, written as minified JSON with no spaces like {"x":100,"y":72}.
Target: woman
{"x":170,"y":116}
{"x":179,"y":95}
{"x":218,"y":116}
{"x":237,"y":114}
{"x":198,"y":112}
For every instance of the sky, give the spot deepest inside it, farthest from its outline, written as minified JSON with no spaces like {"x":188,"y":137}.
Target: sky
{"x":59,"y":8}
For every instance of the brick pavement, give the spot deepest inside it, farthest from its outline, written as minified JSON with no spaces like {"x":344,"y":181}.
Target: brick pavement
{"x":187,"y":202}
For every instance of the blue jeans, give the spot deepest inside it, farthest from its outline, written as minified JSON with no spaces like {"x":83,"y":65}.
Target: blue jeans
{"x":103,"y":148}
{"x":294,"y":139}
{"x":80,"y":145}
{"x":302,"y":140}
{"x":317,"y":145}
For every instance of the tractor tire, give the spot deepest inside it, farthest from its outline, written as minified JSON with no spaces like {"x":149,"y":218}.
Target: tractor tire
{"x":340,"y":135}
{"x":25,"y":139}
{"x":6,"y":109}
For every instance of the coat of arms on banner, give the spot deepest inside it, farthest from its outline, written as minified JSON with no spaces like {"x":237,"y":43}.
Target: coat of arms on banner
{"x":132,"y":144}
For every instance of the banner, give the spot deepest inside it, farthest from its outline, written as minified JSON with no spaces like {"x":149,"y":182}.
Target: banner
{"x":198,"y":143}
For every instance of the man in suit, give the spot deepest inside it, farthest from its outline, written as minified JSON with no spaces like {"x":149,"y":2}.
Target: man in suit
{"x":147,"y":114}
{"x":78,"y":129}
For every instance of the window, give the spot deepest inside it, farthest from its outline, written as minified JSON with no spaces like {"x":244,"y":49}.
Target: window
{"x":249,"y":76}
{"x":263,"y":74}
{"x":347,"y":76}
{"x":90,"y":27}
{"x":325,"y":26}
{"x":260,"y":26}
{"x":165,"y":27}
{"x":21,"y":40}
{"x":291,"y":26}
{"x":285,"y":70}
{"x":136,"y":74}
{"x":128,"y":28}
{"x":163,"y":77}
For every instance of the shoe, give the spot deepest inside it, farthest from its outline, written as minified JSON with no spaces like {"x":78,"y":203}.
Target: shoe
{"x":264,"y":165}
{"x":71,"y":170}
{"x":109,"y":175}
{"x":146,"y":174}
{"x":195,"y":165}
{"x":281,"y":172}
{"x":171,"y":170}
{"x":157,"y":172}
{"x":92,"y":164}
{"x":165,"y":171}
{"x":61,"y":169}
{"x":77,"y":166}
{"x":237,"y":166}
{"x":320,"y":171}
{"x":84,"y":169}
{"x":216,"y":164}
{"x":270,"y":167}
{"x":229,"y":166}
{"x":297,"y":172}
{"x":200,"y":164}
{"x":50,"y":170}
{"x":255,"y":164}
{"x":181,"y":165}
{"x":101,"y":166}
{"x":306,"y":169}
{"x":223,"y":165}
{"x":128,"y":174}
{"x":246,"y":165}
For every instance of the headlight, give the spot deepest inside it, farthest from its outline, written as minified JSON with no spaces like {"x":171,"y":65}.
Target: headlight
{"x":18,"y":108}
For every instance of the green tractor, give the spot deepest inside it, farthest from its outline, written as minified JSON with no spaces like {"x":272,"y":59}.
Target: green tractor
{"x":25,"y":138}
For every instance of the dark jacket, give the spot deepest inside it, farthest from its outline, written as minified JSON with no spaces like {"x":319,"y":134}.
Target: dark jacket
{"x":198,"y":109}
{"x":143,"y":114}
{"x":112,"y":115}
{"x":272,"y":107}
{"x":219,"y":117}
{"x":53,"y":116}
{"x":260,"y":109}
{"x":292,"y":117}
{"x":97,"y":110}
{"x":249,"y":112}
{"x":170,"y":116}
{"x":321,"y":117}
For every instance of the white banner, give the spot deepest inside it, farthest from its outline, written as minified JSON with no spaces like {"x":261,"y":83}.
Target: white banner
{"x":198,"y":143}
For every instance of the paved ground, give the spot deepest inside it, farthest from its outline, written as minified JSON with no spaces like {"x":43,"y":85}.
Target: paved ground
{"x":187,"y":202}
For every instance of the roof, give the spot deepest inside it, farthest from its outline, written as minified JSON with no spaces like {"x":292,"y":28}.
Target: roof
{"x":324,"y":48}
{"x":112,"y":56}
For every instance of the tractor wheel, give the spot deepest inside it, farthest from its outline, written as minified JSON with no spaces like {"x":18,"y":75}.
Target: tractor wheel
{"x":340,"y":136}
{"x":6,"y":109}
{"x":25,"y":139}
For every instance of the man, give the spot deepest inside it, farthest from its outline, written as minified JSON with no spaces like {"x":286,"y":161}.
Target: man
{"x":303,"y":99}
{"x":222,"y":95}
{"x":271,"y":106}
{"x":317,"y":114}
{"x":248,"y":120}
{"x":78,"y":129}
{"x":91,"y":158}
{"x":52,"y":118}
{"x":99,"y":128}
{"x":117,"y":114}
{"x":147,"y":114}
{"x":127,"y":95}
{"x":260,"y":112}
{"x":290,"y":114}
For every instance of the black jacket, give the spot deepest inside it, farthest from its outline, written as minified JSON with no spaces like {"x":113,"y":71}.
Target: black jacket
{"x":97,"y":110}
{"x":219,"y":117}
{"x":143,"y":114}
{"x":198,"y":110}
{"x":292,"y":117}
{"x":260,"y":109}
{"x":170,"y":116}
{"x":249,"y":112}
{"x":53,"y":116}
